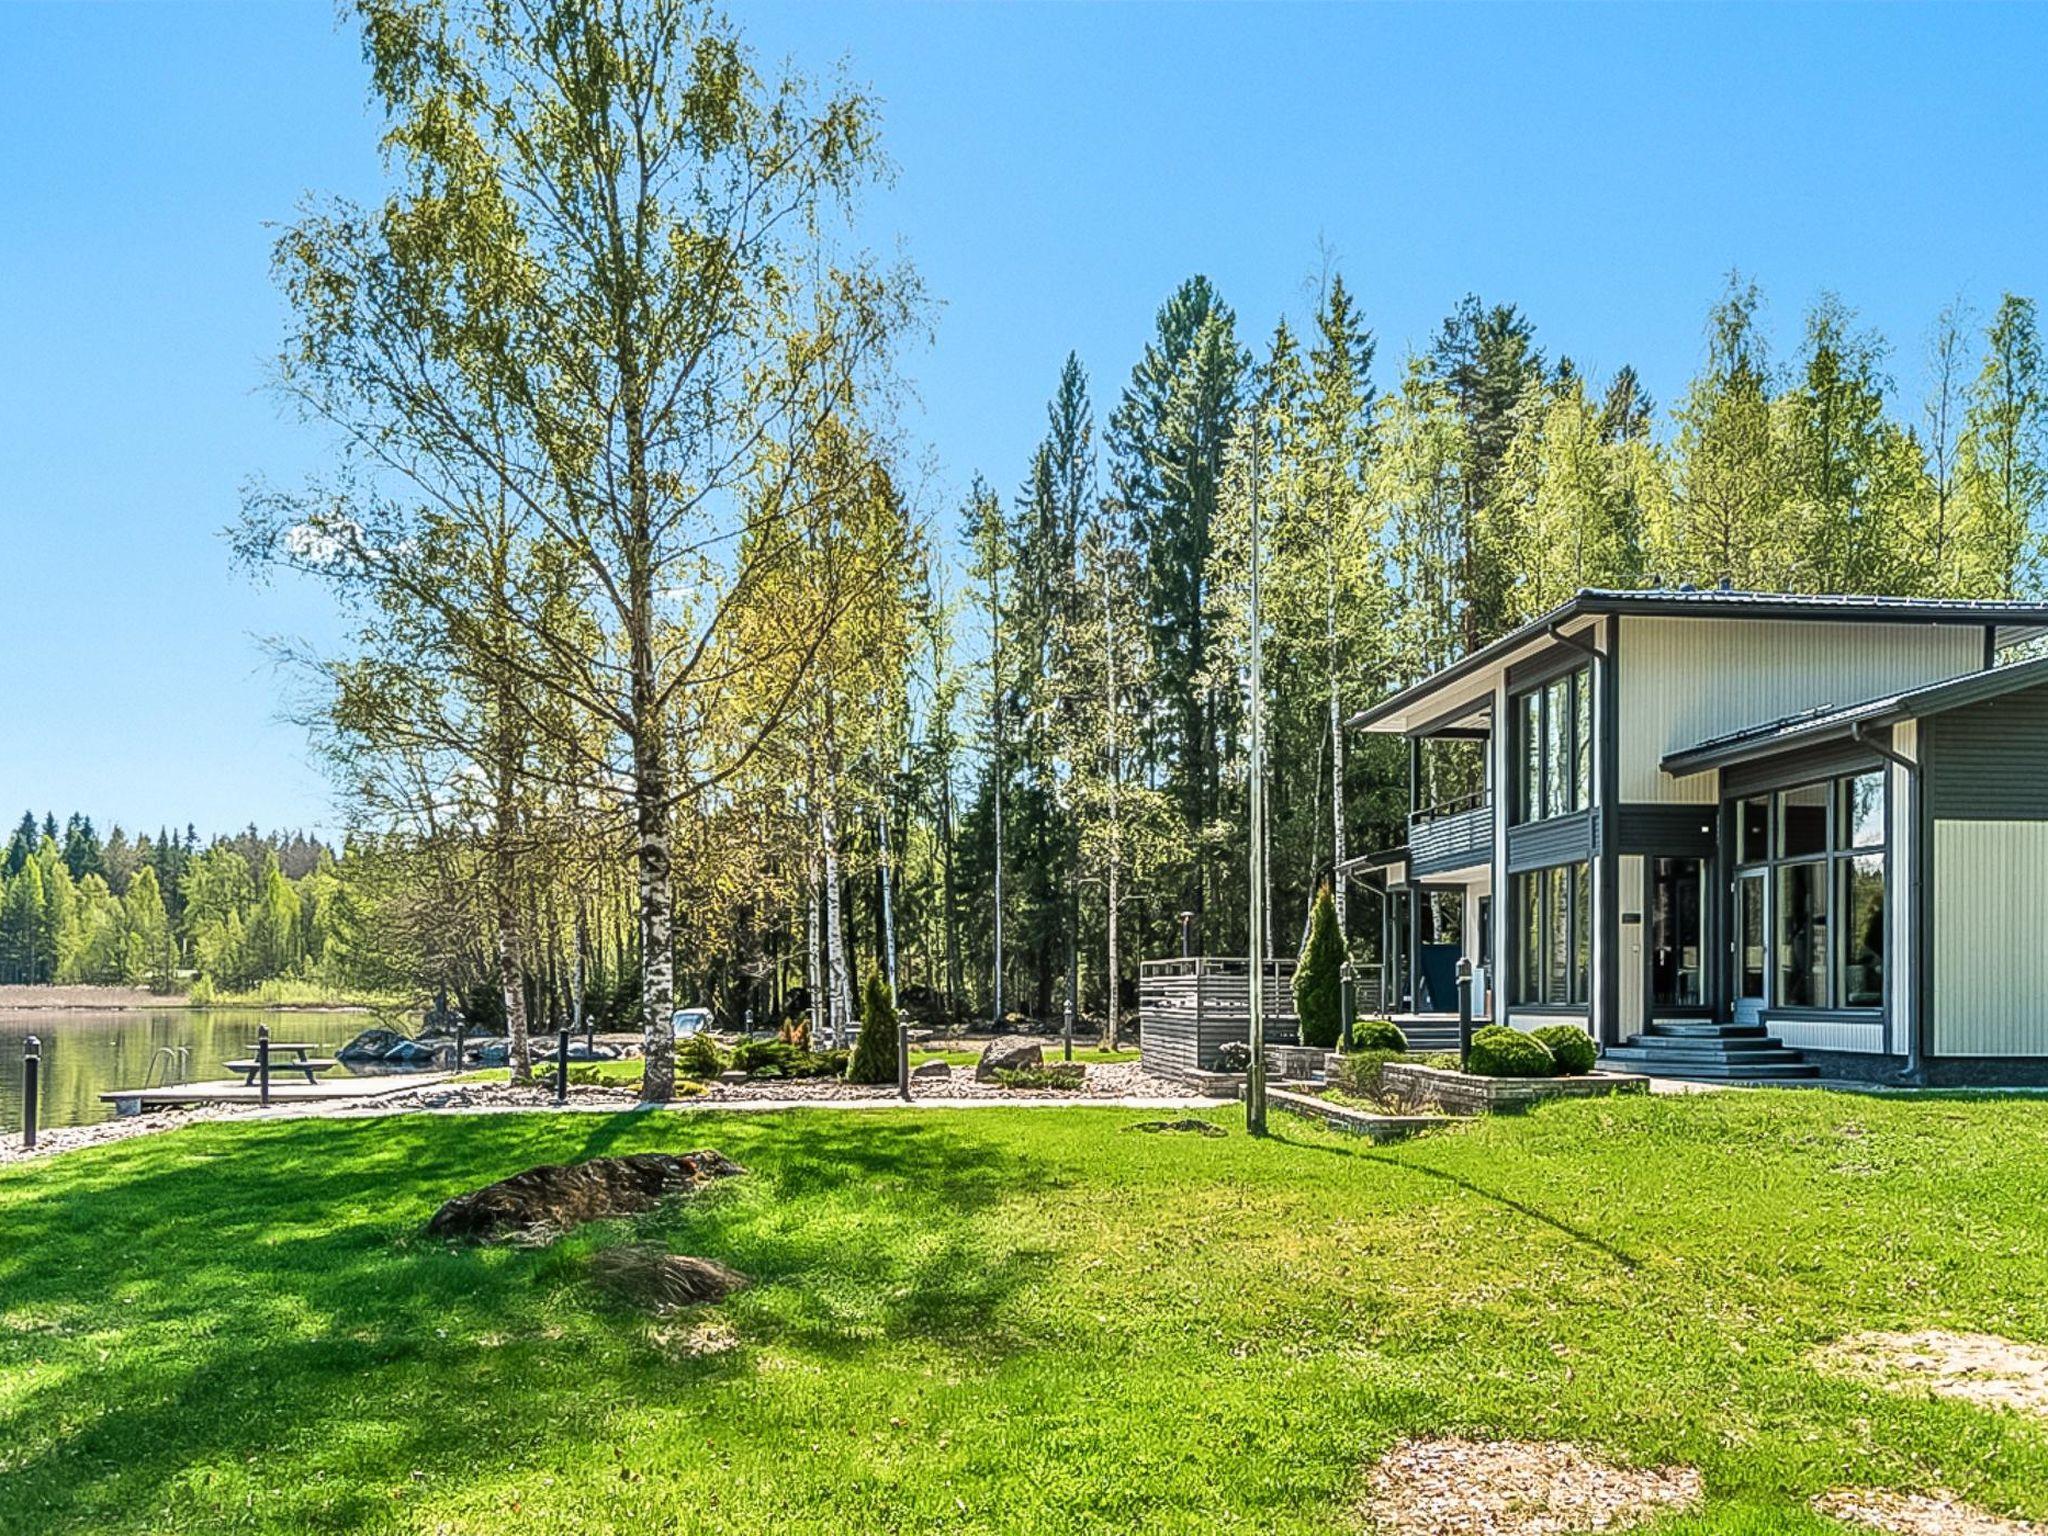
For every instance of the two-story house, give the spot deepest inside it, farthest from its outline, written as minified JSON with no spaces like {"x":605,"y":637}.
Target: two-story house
{"x":1739,"y":834}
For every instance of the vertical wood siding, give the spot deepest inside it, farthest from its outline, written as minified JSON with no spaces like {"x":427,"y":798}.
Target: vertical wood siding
{"x":1630,"y":956}
{"x":1990,"y":938}
{"x":1684,"y":680}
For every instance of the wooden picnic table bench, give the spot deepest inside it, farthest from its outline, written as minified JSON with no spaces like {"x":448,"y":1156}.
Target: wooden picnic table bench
{"x":301,"y":1062}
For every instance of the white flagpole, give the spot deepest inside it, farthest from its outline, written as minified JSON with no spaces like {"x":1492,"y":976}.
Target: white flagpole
{"x":1255,"y":1082}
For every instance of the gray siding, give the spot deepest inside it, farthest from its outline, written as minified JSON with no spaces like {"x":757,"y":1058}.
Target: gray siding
{"x":1990,"y":760}
{"x":1451,"y":842}
{"x":1990,"y":964}
{"x":1685,"y":680}
{"x":1561,"y":840}
{"x":1667,"y":829}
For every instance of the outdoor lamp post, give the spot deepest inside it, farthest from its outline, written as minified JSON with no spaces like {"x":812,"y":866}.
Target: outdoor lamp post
{"x":31,"y":1078}
{"x":1464,"y":1014}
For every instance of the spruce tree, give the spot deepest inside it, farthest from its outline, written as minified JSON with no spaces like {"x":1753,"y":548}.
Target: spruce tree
{"x":1319,"y":978}
{"x":874,"y":1050}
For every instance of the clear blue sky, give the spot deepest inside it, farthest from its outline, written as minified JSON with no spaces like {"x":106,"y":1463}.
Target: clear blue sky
{"x":1061,"y":169}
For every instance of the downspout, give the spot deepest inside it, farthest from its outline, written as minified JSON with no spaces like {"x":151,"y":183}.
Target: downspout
{"x":1915,"y":1074}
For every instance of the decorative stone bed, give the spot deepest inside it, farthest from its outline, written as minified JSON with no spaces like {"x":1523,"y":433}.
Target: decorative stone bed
{"x":1467,"y":1093}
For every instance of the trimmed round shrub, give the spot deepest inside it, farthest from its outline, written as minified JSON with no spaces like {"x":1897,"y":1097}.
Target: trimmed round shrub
{"x":1570,"y":1046}
{"x":1498,"y":1051}
{"x":1378,"y":1035}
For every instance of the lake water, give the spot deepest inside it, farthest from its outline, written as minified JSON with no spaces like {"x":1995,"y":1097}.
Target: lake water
{"x":89,"y":1052}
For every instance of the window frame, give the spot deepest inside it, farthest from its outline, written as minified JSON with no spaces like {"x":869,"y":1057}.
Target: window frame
{"x":1553,"y":966}
{"x":1833,"y":866}
{"x":1544,"y":744}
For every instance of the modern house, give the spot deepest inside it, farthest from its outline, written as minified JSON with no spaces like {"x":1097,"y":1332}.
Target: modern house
{"x":1737,"y":834}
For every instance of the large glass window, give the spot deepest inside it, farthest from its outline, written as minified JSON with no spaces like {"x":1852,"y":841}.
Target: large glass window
{"x":1555,"y":907}
{"x":1815,"y":853}
{"x":1554,"y":747}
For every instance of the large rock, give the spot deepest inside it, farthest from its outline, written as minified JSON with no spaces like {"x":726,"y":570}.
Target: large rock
{"x":932,"y":1069}
{"x":373,"y":1044}
{"x":557,"y":1196}
{"x":1012,"y":1053}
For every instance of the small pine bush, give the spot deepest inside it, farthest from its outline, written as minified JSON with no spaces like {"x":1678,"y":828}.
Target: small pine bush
{"x":1319,"y":979}
{"x":1570,"y":1046}
{"x":1378,"y":1035}
{"x":1498,"y":1051}
{"x":874,"y":1048}
{"x":698,"y":1056}
{"x":766,"y":1058}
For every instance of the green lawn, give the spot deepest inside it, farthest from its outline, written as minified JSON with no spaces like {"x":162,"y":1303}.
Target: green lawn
{"x":1009,"y":1320}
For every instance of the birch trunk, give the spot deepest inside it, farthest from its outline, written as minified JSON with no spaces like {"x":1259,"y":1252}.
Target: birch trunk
{"x":888,"y":909}
{"x":518,"y":1053}
{"x":814,"y":964}
{"x":835,"y":941}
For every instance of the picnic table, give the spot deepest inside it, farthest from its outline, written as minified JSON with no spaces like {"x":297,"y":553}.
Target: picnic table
{"x":303,"y":1060}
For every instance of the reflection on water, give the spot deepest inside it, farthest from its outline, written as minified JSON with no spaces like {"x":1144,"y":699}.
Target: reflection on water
{"x":87,"y":1053}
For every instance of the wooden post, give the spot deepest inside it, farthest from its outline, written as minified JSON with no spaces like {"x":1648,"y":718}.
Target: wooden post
{"x":903,"y":1062}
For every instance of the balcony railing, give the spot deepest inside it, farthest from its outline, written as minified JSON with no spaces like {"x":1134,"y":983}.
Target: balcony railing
{"x":1451,"y":835}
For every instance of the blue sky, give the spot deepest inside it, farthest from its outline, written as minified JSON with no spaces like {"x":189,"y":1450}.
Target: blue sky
{"x":1060,"y":169}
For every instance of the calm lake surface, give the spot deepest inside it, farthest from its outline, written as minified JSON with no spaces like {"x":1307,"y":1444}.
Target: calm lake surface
{"x":89,"y":1052}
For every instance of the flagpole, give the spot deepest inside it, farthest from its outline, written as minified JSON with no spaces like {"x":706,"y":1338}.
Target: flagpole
{"x":1255,"y":1080}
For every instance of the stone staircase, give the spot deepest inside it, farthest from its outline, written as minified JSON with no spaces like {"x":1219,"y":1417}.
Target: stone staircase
{"x":1711,"y":1053}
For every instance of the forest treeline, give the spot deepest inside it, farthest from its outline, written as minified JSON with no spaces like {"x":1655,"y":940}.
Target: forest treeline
{"x":658,"y":671}
{"x":148,"y":911}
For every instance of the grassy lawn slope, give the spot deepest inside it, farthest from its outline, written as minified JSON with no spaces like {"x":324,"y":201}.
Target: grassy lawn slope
{"x":1008,"y":1320}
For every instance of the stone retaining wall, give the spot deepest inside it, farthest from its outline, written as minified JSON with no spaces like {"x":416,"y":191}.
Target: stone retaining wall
{"x":1466,"y":1093}
{"x":1356,"y":1122}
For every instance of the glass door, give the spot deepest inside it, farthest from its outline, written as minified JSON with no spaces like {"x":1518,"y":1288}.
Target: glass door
{"x":1752,"y":946}
{"x":1675,"y":936}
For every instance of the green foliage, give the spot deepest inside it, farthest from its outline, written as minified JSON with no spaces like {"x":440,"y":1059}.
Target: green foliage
{"x":1358,"y":1072}
{"x":779,"y":1058}
{"x":1498,"y":1051}
{"x":1319,"y":978}
{"x":1570,"y":1047}
{"x":1382,"y":1035}
{"x":874,"y":1048}
{"x":698,"y":1056}
{"x":1051,"y":1077}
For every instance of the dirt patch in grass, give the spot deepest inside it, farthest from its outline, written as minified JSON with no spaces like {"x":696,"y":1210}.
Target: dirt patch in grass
{"x":1515,"y":1488}
{"x":1979,"y":1368}
{"x":1917,"y":1514}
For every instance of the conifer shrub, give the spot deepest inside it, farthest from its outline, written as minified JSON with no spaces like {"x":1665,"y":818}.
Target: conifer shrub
{"x":1378,"y":1035}
{"x":1570,"y":1046}
{"x":1498,"y":1051}
{"x":698,"y":1056}
{"x":874,"y":1048}
{"x":1319,"y":978}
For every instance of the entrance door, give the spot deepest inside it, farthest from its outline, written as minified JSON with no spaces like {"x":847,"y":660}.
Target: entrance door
{"x":1752,"y":946}
{"x":1675,"y":936}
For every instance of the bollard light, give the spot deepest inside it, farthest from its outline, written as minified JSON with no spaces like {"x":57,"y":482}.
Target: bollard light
{"x":31,"y":1077}
{"x":1464,"y":1014}
{"x":263,"y":1065}
{"x":562,"y":1066}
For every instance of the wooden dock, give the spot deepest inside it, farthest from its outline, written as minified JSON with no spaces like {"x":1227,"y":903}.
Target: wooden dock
{"x":339,"y":1090}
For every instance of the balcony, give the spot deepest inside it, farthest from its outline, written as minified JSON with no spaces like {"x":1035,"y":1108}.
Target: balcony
{"x":1454,"y":835}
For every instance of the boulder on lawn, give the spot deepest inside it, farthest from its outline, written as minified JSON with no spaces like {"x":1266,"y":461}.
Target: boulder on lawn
{"x":1012,"y":1053}
{"x":642,"y":1275}
{"x":373,"y":1044}
{"x":412,"y":1053}
{"x":557,"y":1196}
{"x":932,"y":1069}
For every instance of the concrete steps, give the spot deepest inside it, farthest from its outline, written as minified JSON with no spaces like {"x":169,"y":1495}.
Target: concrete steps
{"x":1702,"y":1051}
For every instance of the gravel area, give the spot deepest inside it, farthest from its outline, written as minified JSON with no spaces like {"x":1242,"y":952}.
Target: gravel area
{"x":1917,"y":1514}
{"x":1515,"y":1488}
{"x":1114,"y":1081}
{"x":1979,"y":1368}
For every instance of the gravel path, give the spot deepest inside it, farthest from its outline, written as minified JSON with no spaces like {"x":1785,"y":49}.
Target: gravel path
{"x":1119,"y":1083}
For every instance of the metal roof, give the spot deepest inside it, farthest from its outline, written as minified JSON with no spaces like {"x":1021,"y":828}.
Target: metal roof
{"x":1832,"y":722}
{"x":2011,"y":622}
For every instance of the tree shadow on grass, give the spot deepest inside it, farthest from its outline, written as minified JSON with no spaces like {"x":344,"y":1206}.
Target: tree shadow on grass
{"x":262,"y":1296}
{"x":1577,"y":1234}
